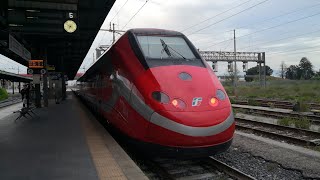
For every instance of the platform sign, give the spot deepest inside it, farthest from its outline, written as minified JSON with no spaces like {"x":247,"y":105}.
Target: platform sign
{"x":36,"y":64}
{"x":51,"y":68}
{"x":16,"y":47}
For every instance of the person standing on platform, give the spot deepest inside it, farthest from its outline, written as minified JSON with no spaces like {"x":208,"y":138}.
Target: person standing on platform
{"x":23,"y":94}
{"x":28,"y":95}
{"x":57,"y":92}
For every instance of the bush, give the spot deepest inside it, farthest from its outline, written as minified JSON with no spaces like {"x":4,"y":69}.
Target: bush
{"x":3,"y":94}
{"x":303,"y":123}
{"x":252,"y":102}
{"x":285,"y":121}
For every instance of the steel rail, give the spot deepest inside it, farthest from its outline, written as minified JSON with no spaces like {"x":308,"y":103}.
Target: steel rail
{"x":314,"y":118}
{"x":231,"y":171}
{"x":9,"y":102}
{"x":279,"y":127}
{"x":290,"y":139}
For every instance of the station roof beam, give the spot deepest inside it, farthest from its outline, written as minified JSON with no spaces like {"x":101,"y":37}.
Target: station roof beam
{"x":39,"y":25}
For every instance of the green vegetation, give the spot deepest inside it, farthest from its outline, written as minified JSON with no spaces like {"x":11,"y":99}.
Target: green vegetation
{"x":235,"y":111}
{"x":303,"y":123}
{"x":285,"y":121}
{"x":3,"y":94}
{"x":301,"y":85}
{"x":298,"y":123}
{"x":303,"y":91}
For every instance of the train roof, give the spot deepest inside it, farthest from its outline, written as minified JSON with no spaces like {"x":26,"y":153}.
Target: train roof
{"x":152,"y":31}
{"x":137,"y":31}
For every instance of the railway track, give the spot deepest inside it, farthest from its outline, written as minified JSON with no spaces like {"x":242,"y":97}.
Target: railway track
{"x":9,"y":102}
{"x":275,"y":103}
{"x":208,"y":168}
{"x":293,"y":135}
{"x":315,"y":119}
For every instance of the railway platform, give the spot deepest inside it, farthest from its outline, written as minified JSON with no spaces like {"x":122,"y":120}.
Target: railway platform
{"x":65,"y":141}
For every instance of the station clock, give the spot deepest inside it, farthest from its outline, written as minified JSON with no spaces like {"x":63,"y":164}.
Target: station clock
{"x":70,"y":26}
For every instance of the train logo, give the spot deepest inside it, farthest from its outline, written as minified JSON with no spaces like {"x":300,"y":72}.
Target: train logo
{"x":196,"y":101}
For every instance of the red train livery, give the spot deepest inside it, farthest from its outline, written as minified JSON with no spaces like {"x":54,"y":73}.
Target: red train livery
{"x":154,"y":87}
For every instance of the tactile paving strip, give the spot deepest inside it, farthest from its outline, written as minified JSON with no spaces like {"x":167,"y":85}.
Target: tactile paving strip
{"x":110,"y":159}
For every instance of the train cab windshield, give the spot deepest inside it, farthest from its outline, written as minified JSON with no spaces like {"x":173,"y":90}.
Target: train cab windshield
{"x":167,"y":50}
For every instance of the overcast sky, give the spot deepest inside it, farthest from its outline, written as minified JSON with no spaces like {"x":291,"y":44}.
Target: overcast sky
{"x":286,"y":30}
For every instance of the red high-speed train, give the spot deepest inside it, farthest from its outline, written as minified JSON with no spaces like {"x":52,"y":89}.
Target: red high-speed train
{"x":154,"y":87}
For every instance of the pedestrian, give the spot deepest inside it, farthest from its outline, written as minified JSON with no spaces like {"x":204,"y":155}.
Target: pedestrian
{"x":57,"y":93}
{"x":23,"y":94}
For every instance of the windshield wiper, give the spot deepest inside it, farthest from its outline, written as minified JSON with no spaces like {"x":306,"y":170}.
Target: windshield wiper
{"x":166,"y":49}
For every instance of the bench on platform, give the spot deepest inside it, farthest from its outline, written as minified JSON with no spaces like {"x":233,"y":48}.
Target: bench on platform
{"x":23,"y":112}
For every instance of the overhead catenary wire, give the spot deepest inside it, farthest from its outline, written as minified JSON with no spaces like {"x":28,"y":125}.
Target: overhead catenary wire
{"x":294,"y":50}
{"x":228,"y":17}
{"x":104,"y":33}
{"x":119,"y":10}
{"x":281,"y":15}
{"x":272,"y":27}
{"x":215,"y":16}
{"x":266,"y":20}
{"x":277,"y":40}
{"x":135,"y":14}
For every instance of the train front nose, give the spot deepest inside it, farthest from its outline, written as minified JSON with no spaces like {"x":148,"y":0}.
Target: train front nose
{"x":192,"y":129}
{"x":191,"y":109}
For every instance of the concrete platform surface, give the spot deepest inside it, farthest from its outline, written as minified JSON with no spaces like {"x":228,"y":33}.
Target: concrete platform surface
{"x":64,"y":142}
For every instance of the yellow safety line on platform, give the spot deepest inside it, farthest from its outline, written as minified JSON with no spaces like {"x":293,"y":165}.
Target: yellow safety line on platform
{"x":106,"y":166}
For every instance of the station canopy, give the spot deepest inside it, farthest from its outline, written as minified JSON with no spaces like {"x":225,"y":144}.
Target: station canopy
{"x":14,"y":77}
{"x":60,"y":31}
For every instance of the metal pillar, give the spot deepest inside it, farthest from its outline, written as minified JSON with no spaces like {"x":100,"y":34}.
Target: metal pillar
{"x":51,"y":88}
{"x":12,"y":87}
{"x":113,"y":34}
{"x":63,"y":87}
{"x":265,"y":69}
{"x":19,"y":86}
{"x":235,"y":60}
{"x":45,"y":85}
{"x":38,"y":96}
{"x":260,"y":74}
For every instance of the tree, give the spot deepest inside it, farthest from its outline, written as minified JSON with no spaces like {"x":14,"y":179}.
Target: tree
{"x":316,"y":76}
{"x":255,"y":71}
{"x":306,"y":68}
{"x":293,"y":72}
{"x":283,"y":70}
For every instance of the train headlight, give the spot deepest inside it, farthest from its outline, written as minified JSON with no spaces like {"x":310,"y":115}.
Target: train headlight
{"x":214,"y":102}
{"x":160,"y":97}
{"x":220,"y":95}
{"x":177,"y":103}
